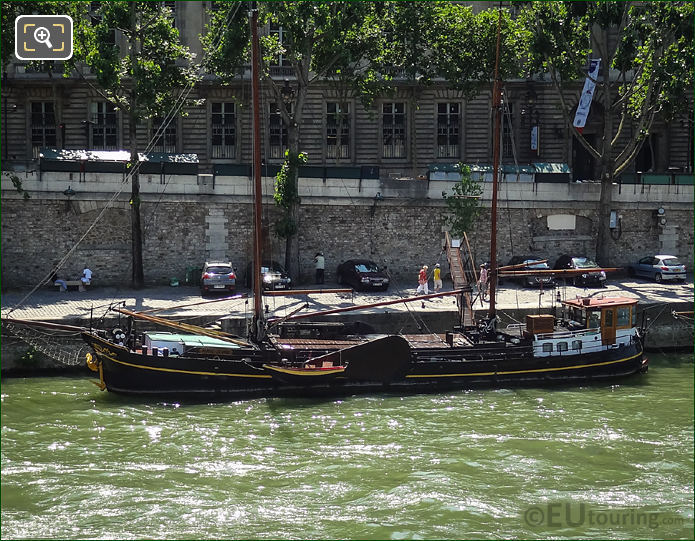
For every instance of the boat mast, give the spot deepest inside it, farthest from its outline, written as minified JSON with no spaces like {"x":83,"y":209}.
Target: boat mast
{"x":497,"y":112}
{"x":258,"y":325}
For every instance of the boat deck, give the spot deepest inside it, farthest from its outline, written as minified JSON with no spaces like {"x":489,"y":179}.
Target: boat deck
{"x":417,"y":341}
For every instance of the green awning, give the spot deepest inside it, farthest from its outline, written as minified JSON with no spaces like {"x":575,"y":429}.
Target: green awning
{"x":545,"y":167}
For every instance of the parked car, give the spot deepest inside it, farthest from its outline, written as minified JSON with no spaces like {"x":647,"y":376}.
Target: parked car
{"x":658,"y":268}
{"x":273,"y":276}
{"x":363,"y":274}
{"x":218,"y":276}
{"x":530,"y":264}
{"x":589,"y":277}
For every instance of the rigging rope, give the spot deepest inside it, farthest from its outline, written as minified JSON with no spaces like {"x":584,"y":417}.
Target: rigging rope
{"x":64,"y":347}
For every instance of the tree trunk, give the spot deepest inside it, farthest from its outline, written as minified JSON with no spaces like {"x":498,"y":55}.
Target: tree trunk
{"x":603,"y":240}
{"x":138,"y":277}
{"x":292,"y":241}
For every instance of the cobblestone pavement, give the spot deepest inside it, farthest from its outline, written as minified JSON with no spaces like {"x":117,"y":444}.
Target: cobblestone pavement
{"x":51,"y":305}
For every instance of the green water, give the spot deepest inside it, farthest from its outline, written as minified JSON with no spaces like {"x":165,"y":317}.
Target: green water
{"x":605,"y":461}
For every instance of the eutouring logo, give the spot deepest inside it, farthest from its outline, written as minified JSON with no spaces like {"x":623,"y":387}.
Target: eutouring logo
{"x":562,"y":515}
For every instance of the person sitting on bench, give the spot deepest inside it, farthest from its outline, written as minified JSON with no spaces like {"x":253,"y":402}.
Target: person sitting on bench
{"x":58,"y":281}
{"x":86,"y":276}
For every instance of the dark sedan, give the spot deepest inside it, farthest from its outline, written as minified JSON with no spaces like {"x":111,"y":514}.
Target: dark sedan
{"x":530,"y":264}
{"x":273,"y":276}
{"x":587,"y":277}
{"x":363,"y":274}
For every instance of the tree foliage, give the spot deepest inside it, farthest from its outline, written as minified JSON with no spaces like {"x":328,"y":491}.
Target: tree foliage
{"x":646,"y":52}
{"x":463,"y":203}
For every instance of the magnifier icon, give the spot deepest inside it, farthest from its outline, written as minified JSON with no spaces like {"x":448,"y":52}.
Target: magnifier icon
{"x":42,"y":35}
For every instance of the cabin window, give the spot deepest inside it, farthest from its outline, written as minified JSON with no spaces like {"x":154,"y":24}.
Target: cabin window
{"x":623,"y":316}
{"x":337,"y":130}
{"x":562,"y":346}
{"x":608,"y":318}
{"x":548,"y":347}
{"x":594,"y":320}
{"x":223,"y":130}
{"x":164,"y":134}
{"x":393,"y":129}
{"x":43,"y":126}
{"x":576,"y":345}
{"x":448,"y":129}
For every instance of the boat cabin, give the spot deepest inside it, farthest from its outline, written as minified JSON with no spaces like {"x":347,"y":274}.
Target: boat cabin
{"x":609,"y":314}
{"x":592,"y":325}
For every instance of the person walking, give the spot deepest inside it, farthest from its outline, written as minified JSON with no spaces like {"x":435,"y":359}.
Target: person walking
{"x":319,"y":265}
{"x":437,"y":278}
{"x":422,"y":281}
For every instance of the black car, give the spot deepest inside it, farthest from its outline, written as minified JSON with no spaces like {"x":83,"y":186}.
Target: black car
{"x":530,"y":264}
{"x":595,"y":278}
{"x":363,"y":274}
{"x":273,"y":276}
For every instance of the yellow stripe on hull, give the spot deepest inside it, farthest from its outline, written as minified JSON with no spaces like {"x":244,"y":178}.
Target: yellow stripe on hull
{"x":534,"y":370}
{"x":194,"y":372}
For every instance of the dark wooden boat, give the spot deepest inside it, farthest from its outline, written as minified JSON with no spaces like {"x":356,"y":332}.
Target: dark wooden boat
{"x":596,"y":339}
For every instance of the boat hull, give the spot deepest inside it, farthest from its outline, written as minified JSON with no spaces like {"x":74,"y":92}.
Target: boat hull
{"x":424,"y":370}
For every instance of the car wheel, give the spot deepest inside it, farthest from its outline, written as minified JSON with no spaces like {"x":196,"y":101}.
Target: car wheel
{"x":339,"y":279}
{"x":658,"y":278}
{"x":631,"y":271}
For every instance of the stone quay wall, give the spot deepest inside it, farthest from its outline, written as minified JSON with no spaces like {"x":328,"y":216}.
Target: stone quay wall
{"x":399,"y":223}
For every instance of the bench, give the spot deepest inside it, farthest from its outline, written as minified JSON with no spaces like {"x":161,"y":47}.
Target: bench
{"x":75,"y":283}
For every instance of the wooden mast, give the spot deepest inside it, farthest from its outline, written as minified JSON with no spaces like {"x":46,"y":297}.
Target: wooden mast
{"x":258,"y":330}
{"x":497,"y":112}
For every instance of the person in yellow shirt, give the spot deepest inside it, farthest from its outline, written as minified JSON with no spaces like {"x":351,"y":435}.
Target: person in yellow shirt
{"x":437,"y":278}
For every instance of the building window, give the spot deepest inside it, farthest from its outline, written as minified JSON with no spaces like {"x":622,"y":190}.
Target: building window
{"x":223,"y":130}
{"x":43,"y":126}
{"x":393,"y":134}
{"x":104,"y":126}
{"x":278,"y":132}
{"x":337,"y":130}
{"x":171,"y":6}
{"x":508,"y":133}
{"x":165,"y":137}
{"x":448,"y":130}
{"x":277,"y":30}
{"x":95,"y":17}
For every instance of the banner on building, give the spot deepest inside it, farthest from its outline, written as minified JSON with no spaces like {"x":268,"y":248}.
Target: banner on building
{"x":534,"y":138}
{"x":587,"y":95}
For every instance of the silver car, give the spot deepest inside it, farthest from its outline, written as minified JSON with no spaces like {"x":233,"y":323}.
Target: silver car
{"x":218,"y":276}
{"x":658,"y":268}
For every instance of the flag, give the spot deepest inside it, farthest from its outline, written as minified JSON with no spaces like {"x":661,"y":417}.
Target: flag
{"x":587,"y":95}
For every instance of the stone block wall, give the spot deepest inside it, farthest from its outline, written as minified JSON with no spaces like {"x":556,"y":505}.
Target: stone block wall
{"x":401,"y":233}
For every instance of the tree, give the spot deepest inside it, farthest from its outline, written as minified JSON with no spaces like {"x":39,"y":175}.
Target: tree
{"x":646,"y":51}
{"x":140,"y":75}
{"x":463,"y":203}
{"x":320,"y":41}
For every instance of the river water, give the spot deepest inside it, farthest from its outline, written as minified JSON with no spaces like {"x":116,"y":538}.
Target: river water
{"x":601,"y":461}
